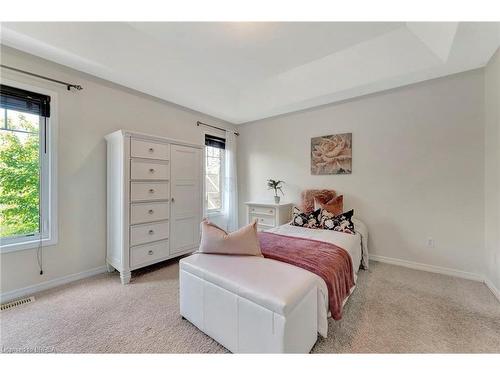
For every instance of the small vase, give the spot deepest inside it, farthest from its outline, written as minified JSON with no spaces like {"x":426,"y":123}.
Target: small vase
{"x":276,"y":199}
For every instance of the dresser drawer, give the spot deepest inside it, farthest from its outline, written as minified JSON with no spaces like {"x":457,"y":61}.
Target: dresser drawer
{"x":146,"y":212}
{"x":268,"y":221}
{"x":262,"y":210}
{"x":149,"y":150}
{"x":149,"y":170}
{"x":149,"y":191}
{"x":143,"y":233}
{"x":147,"y":254}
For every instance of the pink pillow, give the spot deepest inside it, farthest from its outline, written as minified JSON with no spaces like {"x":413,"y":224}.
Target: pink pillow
{"x":215,"y":240}
{"x":334,"y":206}
{"x":307,"y":198}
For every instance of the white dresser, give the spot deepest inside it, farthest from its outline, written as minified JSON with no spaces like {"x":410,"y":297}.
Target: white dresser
{"x":268,"y":215}
{"x":154,"y":200}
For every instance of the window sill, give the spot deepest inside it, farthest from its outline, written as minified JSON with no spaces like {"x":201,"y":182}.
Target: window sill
{"x":215,"y":213}
{"x":26,"y":245}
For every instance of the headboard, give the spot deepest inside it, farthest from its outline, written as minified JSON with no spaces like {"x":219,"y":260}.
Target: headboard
{"x":307,"y":198}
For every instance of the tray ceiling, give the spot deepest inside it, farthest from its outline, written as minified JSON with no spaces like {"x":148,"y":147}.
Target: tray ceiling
{"x":242,"y":72}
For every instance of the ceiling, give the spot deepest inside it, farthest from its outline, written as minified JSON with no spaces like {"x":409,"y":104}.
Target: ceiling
{"x":240,"y":72}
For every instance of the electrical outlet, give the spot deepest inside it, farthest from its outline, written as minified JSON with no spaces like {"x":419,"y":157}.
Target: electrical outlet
{"x":431,"y":243}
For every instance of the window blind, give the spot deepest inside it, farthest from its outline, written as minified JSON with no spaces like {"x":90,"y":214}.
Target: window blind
{"x":24,"y":101}
{"x":213,"y":141}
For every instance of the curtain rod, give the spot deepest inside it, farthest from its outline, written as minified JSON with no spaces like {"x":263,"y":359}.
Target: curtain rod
{"x":68,"y":85}
{"x":198,"y":123}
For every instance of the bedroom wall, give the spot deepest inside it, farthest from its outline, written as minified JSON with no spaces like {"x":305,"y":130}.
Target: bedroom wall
{"x":84,"y":118}
{"x":492,"y":186}
{"x":418,"y":167}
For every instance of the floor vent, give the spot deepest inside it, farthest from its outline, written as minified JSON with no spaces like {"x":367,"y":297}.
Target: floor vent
{"x":16,"y":303}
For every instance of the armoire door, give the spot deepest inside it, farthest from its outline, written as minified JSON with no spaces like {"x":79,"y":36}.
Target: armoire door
{"x":186,"y":199}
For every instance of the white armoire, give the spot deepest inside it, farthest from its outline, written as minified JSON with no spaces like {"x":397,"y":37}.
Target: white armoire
{"x":154,"y":200}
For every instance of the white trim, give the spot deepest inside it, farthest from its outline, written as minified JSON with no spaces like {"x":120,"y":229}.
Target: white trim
{"x":36,"y":288}
{"x":27,"y":245}
{"x":52,"y":238}
{"x":493,"y":289}
{"x":428,"y":267}
{"x":438,"y":269}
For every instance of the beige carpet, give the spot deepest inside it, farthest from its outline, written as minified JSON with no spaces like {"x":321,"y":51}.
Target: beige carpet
{"x":393,"y":309}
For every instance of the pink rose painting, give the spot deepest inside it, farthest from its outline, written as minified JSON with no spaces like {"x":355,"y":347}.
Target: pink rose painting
{"x":331,"y":154}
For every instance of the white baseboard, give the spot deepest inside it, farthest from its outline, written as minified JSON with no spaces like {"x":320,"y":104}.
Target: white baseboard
{"x":32,"y":289}
{"x":438,"y":269}
{"x":493,"y":289}
{"x":428,"y":267}
{"x":22,"y":292}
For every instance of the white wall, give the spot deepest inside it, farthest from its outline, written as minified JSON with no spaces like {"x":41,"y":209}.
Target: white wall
{"x":418,"y":166}
{"x":492,"y":186}
{"x":84,"y":118}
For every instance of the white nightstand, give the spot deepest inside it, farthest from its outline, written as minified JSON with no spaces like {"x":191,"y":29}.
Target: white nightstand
{"x":269,"y":215}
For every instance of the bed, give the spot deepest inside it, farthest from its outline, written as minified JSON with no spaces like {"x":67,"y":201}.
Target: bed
{"x":260,"y":304}
{"x":355,"y":245}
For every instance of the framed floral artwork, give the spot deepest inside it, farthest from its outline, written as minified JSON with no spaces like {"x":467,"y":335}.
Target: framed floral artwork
{"x":331,"y":154}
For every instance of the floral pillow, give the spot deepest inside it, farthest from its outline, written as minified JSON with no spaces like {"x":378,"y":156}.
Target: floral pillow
{"x":301,"y":219}
{"x":340,"y":223}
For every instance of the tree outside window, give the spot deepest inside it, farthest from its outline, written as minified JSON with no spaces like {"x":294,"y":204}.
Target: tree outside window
{"x":19,"y":173}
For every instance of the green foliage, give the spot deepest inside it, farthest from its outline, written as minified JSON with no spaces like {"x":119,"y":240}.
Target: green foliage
{"x":275,"y":185}
{"x":19,"y":181}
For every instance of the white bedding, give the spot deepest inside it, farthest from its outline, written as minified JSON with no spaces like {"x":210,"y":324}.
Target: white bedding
{"x":355,"y":245}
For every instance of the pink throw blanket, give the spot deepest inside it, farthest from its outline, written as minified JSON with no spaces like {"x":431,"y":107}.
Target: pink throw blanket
{"x":332,"y":263}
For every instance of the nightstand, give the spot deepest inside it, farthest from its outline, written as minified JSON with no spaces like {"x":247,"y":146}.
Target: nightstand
{"x":268,"y":215}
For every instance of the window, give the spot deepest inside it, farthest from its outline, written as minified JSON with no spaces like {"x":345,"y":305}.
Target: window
{"x":27,"y":200}
{"x":214,"y":173}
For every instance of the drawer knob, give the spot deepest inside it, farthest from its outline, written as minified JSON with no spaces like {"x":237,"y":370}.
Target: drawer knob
{"x":150,"y":212}
{"x":271,"y":211}
{"x":151,"y":231}
{"x":150,"y":252}
{"x":253,"y":209}
{"x":151,"y":150}
{"x":261,"y":219}
{"x":173,"y":200}
{"x":151,"y":170}
{"x":151,"y":191}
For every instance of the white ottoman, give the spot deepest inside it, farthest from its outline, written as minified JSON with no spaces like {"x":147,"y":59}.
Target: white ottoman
{"x":250,"y":304}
